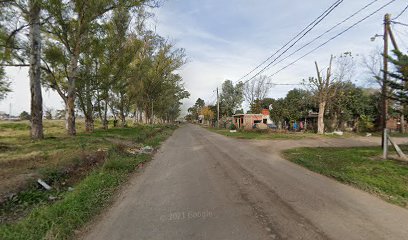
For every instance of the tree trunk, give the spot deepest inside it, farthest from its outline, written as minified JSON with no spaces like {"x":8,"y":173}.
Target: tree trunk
{"x":140,"y":116}
{"x":89,"y":124}
{"x":72,"y":75}
{"x":35,"y":71}
{"x":70,"y":115}
{"x":320,"y":120}
{"x":105,"y":117}
{"x":402,"y":123}
{"x":135,"y":117}
{"x":151,"y":114}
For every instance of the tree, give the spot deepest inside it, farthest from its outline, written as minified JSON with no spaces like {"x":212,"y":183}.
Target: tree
{"x":48,"y":114}
{"x":70,"y":25}
{"x":399,"y":84}
{"x":207,"y":113}
{"x":16,"y":17}
{"x":231,"y":97}
{"x":25,"y":116}
{"x":373,"y":63}
{"x":257,"y":89}
{"x":298,"y":103}
{"x":35,"y":70}
{"x":4,"y":85}
{"x":259,"y":104}
{"x":399,"y":79}
{"x":196,"y":109}
{"x":322,"y":87}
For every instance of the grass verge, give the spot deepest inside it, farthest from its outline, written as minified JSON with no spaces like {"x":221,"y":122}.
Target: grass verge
{"x":361,"y":167}
{"x":59,"y":220}
{"x":262,"y":134}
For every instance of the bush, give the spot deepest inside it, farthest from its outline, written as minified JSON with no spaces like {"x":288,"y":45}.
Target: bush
{"x":25,"y":116}
{"x":232,"y":127}
{"x":365,"y":124}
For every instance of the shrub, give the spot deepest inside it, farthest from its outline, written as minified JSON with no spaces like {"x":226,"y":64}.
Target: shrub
{"x":365,"y":124}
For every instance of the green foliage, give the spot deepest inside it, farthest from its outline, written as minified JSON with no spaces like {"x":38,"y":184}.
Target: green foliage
{"x":25,"y":116}
{"x":4,"y":85}
{"x":195,"y":110}
{"x":294,"y":106}
{"x":358,"y":167}
{"x":365,"y":124}
{"x":231,"y":97}
{"x":399,"y":78}
{"x":260,"y":104}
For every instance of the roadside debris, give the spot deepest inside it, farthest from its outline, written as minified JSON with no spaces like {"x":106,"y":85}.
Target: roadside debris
{"x":143,"y":150}
{"x":233,"y":131}
{"x":369,"y":135}
{"x":146,"y":150}
{"x":44,"y":184}
{"x":133,"y":151}
{"x":52,"y":198}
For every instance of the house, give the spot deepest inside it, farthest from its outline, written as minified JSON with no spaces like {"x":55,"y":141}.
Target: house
{"x":247,"y":121}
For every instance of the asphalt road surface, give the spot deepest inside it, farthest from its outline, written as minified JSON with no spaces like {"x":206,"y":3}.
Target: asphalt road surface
{"x":202,"y":185}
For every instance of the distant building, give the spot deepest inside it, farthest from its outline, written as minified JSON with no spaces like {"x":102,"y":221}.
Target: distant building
{"x":247,"y":121}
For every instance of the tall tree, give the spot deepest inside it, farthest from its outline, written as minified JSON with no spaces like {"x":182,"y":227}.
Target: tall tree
{"x":16,"y":17}
{"x":231,"y":97}
{"x":322,"y":86}
{"x":35,"y":70}
{"x":399,"y":78}
{"x":257,"y":89}
{"x":70,"y":24}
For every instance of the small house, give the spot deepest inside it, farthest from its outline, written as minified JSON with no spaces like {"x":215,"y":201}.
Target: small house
{"x":247,"y":121}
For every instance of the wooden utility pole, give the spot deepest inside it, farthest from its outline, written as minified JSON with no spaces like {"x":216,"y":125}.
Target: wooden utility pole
{"x":218,"y":110}
{"x":384,"y":83}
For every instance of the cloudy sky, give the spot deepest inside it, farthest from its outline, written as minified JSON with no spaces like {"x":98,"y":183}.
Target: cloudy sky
{"x":225,"y":39}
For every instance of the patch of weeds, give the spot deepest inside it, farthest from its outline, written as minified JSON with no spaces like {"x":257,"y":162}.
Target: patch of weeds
{"x":14,"y":126}
{"x":357,"y":167}
{"x":75,"y":208}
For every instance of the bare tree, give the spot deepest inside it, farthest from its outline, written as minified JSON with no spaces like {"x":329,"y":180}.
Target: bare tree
{"x":322,"y":86}
{"x":345,"y":67}
{"x":373,"y":63}
{"x":257,"y":89}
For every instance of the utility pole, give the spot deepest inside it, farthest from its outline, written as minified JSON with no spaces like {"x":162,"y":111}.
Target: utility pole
{"x":384,"y":83}
{"x":218,"y":110}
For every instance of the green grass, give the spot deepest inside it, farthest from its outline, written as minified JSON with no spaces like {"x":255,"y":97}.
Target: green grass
{"x":262,"y":134}
{"x":72,"y":209}
{"x":361,"y":167}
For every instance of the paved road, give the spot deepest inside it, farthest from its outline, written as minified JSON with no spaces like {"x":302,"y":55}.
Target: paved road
{"x":202,"y":185}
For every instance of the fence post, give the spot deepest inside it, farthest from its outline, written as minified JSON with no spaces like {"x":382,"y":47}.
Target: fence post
{"x":385,"y":144}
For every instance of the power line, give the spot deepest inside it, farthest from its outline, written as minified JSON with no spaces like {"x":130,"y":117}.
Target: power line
{"x":329,"y":30}
{"x":400,"y":23}
{"x":312,"y":24}
{"x":263,"y":69}
{"x":331,"y":39}
{"x":399,"y":37}
{"x":402,"y":12}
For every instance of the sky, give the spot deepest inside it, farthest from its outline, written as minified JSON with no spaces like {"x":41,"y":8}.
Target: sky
{"x":225,"y":39}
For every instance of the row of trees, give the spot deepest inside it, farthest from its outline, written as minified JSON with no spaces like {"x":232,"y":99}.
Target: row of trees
{"x":331,"y":97}
{"x":99,"y":57}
